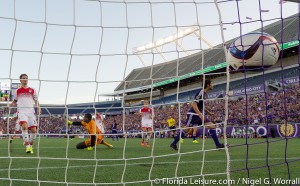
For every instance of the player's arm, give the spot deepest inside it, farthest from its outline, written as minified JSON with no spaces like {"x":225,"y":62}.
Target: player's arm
{"x":13,"y":103}
{"x":37,"y":104}
{"x":196,"y":109}
{"x":209,"y":112}
{"x":151,"y":114}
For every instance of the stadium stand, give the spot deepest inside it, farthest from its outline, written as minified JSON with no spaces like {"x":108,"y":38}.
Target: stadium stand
{"x":256,"y":104}
{"x":212,"y":56}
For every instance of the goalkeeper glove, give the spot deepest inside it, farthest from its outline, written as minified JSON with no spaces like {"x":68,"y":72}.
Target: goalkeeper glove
{"x":70,"y":122}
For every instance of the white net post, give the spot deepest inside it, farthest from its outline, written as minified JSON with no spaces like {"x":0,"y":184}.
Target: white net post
{"x":68,"y":88}
{"x":226,"y":96}
{"x":38,"y":116}
{"x":11,"y":48}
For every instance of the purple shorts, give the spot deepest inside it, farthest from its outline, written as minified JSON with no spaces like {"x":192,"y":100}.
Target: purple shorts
{"x":194,"y":120}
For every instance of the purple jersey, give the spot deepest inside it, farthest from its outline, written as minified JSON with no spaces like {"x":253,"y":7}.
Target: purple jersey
{"x":114,"y":126}
{"x":198,"y":99}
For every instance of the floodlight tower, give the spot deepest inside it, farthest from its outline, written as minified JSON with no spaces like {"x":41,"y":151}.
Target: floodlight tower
{"x":174,"y":39}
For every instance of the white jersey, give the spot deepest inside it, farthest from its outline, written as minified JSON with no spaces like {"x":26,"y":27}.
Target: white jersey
{"x":25,"y":98}
{"x":99,"y":123}
{"x":146,"y":113}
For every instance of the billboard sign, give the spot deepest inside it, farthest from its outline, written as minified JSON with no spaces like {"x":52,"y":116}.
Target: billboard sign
{"x":4,"y":85}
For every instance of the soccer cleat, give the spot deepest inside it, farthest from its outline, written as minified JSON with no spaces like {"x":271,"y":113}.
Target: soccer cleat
{"x":181,"y":140}
{"x":110,"y":146}
{"x":28,"y":149}
{"x":142,"y":144}
{"x":31,"y":150}
{"x":195,"y":141}
{"x":90,"y":148}
{"x":220,"y":147}
{"x":174,"y":147}
{"x":147,"y":145}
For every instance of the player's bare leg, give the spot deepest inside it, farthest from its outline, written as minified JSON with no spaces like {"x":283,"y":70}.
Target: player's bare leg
{"x":32,"y":137}
{"x":25,"y":135}
{"x":187,"y":131}
{"x":107,"y":144}
{"x":195,"y":128}
{"x":144,"y":132}
{"x":148,"y":137}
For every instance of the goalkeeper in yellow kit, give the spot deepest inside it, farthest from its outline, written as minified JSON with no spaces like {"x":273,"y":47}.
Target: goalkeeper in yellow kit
{"x":95,"y":137}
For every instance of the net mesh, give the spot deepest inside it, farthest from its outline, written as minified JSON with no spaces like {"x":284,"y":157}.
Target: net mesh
{"x":77,"y":53}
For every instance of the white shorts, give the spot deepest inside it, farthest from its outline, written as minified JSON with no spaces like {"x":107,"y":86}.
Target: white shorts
{"x":102,"y":129}
{"x":29,"y":118}
{"x":100,"y":126}
{"x":147,"y":125}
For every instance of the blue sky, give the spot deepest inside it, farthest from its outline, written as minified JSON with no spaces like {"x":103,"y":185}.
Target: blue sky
{"x":74,"y":52}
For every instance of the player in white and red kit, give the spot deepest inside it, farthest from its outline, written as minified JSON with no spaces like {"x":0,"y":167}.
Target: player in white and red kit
{"x":100,"y":124}
{"x":147,"y":122}
{"x":26,"y":100}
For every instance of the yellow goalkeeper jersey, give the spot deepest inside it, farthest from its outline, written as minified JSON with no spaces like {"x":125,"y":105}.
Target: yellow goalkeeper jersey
{"x":171,"y":122}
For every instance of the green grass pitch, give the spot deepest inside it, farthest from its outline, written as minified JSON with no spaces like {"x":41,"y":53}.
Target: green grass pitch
{"x":110,"y":163}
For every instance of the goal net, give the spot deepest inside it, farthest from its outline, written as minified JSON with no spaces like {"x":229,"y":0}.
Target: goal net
{"x":108,"y":58}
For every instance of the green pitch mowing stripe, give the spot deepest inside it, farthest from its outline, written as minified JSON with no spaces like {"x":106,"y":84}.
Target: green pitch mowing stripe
{"x":110,"y":171}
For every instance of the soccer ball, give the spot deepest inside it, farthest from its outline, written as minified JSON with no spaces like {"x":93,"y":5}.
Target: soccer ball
{"x":253,"y":50}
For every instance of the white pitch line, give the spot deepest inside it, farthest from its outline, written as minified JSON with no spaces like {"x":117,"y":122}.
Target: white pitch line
{"x":23,"y":147}
{"x":74,"y":147}
{"x":131,"y":164}
{"x":12,"y":148}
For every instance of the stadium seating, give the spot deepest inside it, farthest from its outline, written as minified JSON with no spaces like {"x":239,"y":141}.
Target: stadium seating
{"x":212,"y":56}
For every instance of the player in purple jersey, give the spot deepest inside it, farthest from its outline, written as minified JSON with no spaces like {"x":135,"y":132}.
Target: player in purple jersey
{"x":114,"y":131}
{"x":195,"y":117}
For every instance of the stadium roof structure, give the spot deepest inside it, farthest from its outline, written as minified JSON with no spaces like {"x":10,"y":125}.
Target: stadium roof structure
{"x":295,"y":1}
{"x":139,"y":79}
